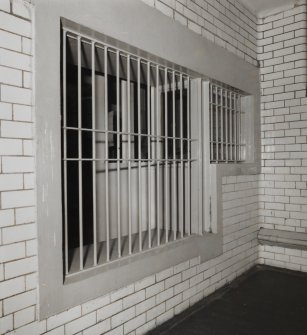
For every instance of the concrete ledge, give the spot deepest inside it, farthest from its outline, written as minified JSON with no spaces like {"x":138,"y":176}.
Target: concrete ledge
{"x":282,"y":238}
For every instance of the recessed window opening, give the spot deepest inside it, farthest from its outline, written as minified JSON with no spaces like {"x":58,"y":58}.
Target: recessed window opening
{"x":126,"y":153}
{"x":226,"y":119}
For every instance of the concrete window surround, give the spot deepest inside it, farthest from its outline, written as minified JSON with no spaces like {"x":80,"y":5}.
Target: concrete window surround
{"x":209,"y":61}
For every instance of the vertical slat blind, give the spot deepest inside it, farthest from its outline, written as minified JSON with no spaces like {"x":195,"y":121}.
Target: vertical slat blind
{"x":128,"y":119}
{"x":226,"y":117}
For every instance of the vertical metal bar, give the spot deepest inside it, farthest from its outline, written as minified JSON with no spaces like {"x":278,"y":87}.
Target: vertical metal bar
{"x":181,"y":158}
{"x":216,"y":125}
{"x":226,"y":124}
{"x":158,"y":154}
{"x":230,"y":124}
{"x":129,"y":158}
{"x":106,"y":118}
{"x":211,"y":123}
{"x":239,"y":127}
{"x":65,"y":153}
{"x":94,"y":156}
{"x":189,"y":158}
{"x":166,"y":202}
{"x":139,"y":151}
{"x":149,"y":155}
{"x":222,"y":123}
{"x":235,"y":126}
{"x":80,"y":156}
{"x":174,"y":162}
{"x":118,"y":156}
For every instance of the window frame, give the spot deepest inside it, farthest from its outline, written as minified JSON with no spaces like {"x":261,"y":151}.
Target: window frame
{"x":103,"y":16}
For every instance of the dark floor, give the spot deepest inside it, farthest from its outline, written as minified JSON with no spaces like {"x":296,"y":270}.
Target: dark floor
{"x":265,"y":301}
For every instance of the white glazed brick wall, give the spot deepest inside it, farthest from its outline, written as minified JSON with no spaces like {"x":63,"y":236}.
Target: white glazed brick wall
{"x":283,"y":59}
{"x":225,"y":22}
{"x":134,"y":309}
{"x":282,"y":48}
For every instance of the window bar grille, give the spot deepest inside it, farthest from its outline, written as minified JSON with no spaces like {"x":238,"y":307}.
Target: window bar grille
{"x":227,"y":125}
{"x":106,"y":108}
{"x":80,"y":156}
{"x":65,"y":152}
{"x":239,"y":127}
{"x":149,"y":153}
{"x":221,"y":108}
{"x":129,"y":158}
{"x":230,"y":125}
{"x":174,"y":162}
{"x":189,"y":158}
{"x":216,"y":126}
{"x":211,"y":122}
{"x":235,"y":126}
{"x":181,"y":158}
{"x":172,"y":193}
{"x":166,"y":202}
{"x":94,"y":157}
{"x":139,"y":151}
{"x":118,"y":156}
{"x":158,"y":154}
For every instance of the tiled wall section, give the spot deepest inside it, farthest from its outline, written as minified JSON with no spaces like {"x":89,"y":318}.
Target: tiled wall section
{"x":224,"y":22}
{"x":133,"y":309}
{"x":283,"y":200}
{"x":283,"y":59}
{"x":285,"y":258}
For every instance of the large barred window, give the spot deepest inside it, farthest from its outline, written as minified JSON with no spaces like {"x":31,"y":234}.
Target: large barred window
{"x":126,"y":153}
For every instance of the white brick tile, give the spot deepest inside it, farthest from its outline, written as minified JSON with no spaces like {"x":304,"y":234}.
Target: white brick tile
{"x":121,"y":293}
{"x":24,"y":316}
{"x":80,"y":324}
{"x":25,"y":215}
{"x":10,"y":76}
{"x":116,"y":331}
{"x":10,"y":147}
{"x":154,"y":289}
{"x":17,"y":164}
{"x":56,"y":331}
{"x":155,"y":312}
{"x":16,"y":94}
{"x":18,"y":233}
{"x":20,"y":267}
{"x":31,"y":248}
{"x":21,"y":9}
{"x":95,"y":304}
{"x":35,"y":328}
{"x":22,"y":113}
{"x":133,"y":299}
{"x":11,"y":287}
{"x":5,"y":5}
{"x":109,"y":310}
{"x":7,"y":218}
{"x":5,"y":111}
{"x":148,"y":281}
{"x":122,"y":317}
{"x":6,"y":324}
{"x":164,"y":274}
{"x":12,"y":252}
{"x":63,"y":318}
{"x":134,"y":323}
{"x":10,"y":182}
{"x":15,"y":25}
{"x":18,"y":302}
{"x":16,"y":129}
{"x":31,"y":281}
{"x":99,"y":328}
{"x":145,"y":305}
